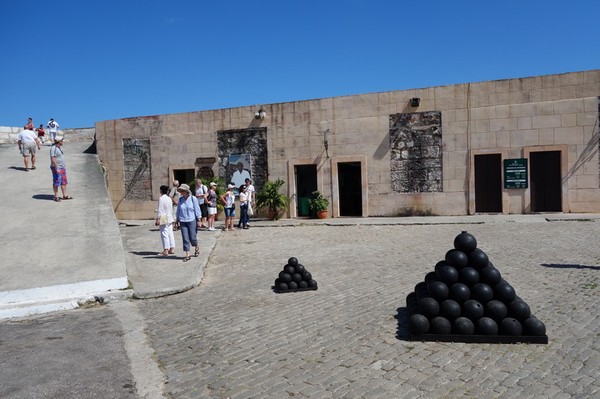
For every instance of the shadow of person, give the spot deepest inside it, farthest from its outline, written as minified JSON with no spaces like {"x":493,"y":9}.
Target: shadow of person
{"x":48,"y":197}
{"x":21,"y":168}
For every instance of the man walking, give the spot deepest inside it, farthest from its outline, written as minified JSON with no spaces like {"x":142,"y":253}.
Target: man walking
{"x":59,"y":170}
{"x":28,"y":142}
{"x":52,"y":129}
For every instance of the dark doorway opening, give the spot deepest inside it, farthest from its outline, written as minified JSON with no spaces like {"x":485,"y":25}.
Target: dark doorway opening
{"x":488,"y":183}
{"x":350,"y":186}
{"x":546,"y":193}
{"x":306,"y":183}
{"x":185,"y":176}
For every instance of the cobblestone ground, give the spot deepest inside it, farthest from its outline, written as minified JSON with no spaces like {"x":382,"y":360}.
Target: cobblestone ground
{"x":233,"y":337}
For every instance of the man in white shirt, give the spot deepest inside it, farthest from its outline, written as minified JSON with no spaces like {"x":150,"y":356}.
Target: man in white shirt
{"x":52,"y":129}
{"x":28,"y":142}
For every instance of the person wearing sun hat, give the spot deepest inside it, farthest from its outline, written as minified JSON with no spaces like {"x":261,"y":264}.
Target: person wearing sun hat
{"x":211,"y":200}
{"x":188,"y":219}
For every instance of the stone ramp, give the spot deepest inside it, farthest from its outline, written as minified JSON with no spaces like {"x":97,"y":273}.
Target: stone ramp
{"x":57,"y":255}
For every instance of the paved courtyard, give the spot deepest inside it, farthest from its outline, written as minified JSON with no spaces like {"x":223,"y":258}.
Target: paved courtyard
{"x":234,"y":338}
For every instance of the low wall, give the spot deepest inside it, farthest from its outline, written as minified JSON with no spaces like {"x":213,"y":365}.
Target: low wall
{"x":8,"y":135}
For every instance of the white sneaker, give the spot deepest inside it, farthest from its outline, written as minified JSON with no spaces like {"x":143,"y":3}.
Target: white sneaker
{"x":211,"y":229}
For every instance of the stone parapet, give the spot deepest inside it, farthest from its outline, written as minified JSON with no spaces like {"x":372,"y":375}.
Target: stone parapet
{"x":8,"y":134}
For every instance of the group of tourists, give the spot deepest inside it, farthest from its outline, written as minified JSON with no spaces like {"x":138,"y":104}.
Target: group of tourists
{"x":29,"y":142}
{"x":180,"y":209}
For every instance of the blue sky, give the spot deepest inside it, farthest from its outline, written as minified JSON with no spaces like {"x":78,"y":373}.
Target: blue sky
{"x":83,"y":61}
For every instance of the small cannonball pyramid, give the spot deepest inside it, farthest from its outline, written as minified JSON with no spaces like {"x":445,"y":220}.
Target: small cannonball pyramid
{"x":466,"y":299}
{"x":294,"y":277}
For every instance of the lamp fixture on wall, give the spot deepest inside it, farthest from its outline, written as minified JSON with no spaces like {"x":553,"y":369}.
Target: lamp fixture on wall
{"x":260,"y":114}
{"x":415,"y":101}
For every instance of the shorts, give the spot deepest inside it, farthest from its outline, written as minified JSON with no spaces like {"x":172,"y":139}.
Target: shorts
{"x":203,"y":209}
{"x":59,"y":177}
{"x":229,"y":212}
{"x":212,"y":210}
{"x":28,"y":148}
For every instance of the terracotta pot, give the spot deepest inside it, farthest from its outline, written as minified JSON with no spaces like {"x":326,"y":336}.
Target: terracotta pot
{"x":321,"y":214}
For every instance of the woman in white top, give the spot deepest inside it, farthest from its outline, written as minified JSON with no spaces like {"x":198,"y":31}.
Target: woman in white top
{"x":243,"y":207}
{"x":164,"y":219}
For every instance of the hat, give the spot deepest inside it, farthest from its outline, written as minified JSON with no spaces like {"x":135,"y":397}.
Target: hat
{"x":212,"y":183}
{"x":230,"y":186}
{"x":184,"y":187}
{"x":58,"y":138}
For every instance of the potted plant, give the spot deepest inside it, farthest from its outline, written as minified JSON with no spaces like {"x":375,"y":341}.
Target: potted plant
{"x":318,"y":205}
{"x":271,"y":200}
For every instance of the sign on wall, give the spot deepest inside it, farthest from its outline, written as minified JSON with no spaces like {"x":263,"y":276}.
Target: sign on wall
{"x":515,"y":173}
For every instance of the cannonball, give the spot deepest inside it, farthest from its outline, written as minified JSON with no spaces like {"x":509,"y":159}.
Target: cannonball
{"x":510,"y":326}
{"x":292,"y":261}
{"x":490,"y":275}
{"x":283,"y":287}
{"x":299,"y":268}
{"x":459,"y":292}
{"x":519,"y":309}
{"x":496,"y":309}
{"x":439,"y":264}
{"x":450,"y":309}
{"x":465,"y":242}
{"x":447,"y":274}
{"x":418,"y":324}
{"x":438,"y":290}
{"x":463,"y":326}
{"x":478,"y":259}
{"x":457,"y":258}
{"x":472,"y":309}
{"x":277,"y":281}
{"x":482,"y":293}
{"x":289,"y":269}
{"x":293,"y":285}
{"x":306,"y":276}
{"x":312,"y":284}
{"x":302,"y":284}
{"x":440,"y":325}
{"x":429,"y":307}
{"x":296,"y":277}
{"x":486,"y":326}
{"x":285,"y":277}
{"x":504,"y":292}
{"x":533,"y":326}
{"x":411,"y":299}
{"x":429,"y":277}
{"x":468,"y":275}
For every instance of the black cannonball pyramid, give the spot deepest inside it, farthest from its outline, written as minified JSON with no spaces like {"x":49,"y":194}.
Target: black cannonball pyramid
{"x":465,"y":242}
{"x":418,"y":324}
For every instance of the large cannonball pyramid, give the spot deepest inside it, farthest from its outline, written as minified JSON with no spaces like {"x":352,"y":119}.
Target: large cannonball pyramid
{"x":294,"y":277}
{"x":465,"y":299}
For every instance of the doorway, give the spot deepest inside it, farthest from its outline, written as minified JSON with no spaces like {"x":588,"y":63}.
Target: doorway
{"x":350,"y":188}
{"x":488,"y":183}
{"x":306,"y":183}
{"x":185,"y":176}
{"x":545,"y":179}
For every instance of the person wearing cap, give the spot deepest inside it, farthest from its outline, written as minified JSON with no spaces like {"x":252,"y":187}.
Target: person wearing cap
{"x":28,"y":142}
{"x":188,"y":219}
{"x":228,"y":199}
{"x":211,"y":205}
{"x":59,"y":170}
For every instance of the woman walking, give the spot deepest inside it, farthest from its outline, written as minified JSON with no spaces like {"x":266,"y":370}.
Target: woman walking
{"x":212,"y":206}
{"x":188,"y":219}
{"x":164,"y":219}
